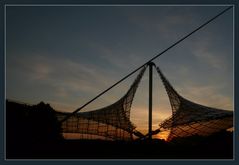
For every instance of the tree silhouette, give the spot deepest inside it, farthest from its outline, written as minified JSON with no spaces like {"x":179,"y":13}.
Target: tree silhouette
{"x":29,"y":127}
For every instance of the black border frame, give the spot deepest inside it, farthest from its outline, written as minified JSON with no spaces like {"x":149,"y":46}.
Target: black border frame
{"x":3,"y":3}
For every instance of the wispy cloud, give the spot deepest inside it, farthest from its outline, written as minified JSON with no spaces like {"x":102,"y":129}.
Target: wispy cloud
{"x":208,"y":96}
{"x":165,"y":22}
{"x":116,"y":56}
{"x":70,"y":80}
{"x":203,"y":51}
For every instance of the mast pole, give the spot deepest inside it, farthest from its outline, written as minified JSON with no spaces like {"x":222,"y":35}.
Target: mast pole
{"x":150,"y":64}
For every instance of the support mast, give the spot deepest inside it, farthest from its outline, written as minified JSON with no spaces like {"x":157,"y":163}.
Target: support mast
{"x":150,"y":97}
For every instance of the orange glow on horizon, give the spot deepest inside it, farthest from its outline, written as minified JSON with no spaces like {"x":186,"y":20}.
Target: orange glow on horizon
{"x":162,"y":135}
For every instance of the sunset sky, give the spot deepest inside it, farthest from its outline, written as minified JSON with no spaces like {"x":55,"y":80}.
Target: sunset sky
{"x":66,"y":55}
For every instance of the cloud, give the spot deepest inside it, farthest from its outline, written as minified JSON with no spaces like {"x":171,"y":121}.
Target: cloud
{"x":118,"y":56}
{"x":208,"y":96}
{"x":163,"y":21}
{"x":41,"y":71}
{"x":69,"y":81}
{"x":209,"y":89}
{"x":203,"y":51}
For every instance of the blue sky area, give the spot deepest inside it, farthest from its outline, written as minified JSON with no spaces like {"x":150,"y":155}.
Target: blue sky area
{"x":66,"y":55}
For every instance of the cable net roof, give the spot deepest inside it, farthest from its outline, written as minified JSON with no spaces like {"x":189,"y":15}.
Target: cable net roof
{"x":190,"y":118}
{"x":112,"y":121}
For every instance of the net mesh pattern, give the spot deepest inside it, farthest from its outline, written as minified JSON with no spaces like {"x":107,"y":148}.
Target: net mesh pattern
{"x":111,"y":122}
{"x":190,"y":118}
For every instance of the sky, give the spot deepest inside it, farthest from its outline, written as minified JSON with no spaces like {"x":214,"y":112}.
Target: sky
{"x":66,"y":55}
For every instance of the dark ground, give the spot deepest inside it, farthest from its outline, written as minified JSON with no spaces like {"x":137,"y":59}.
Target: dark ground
{"x":99,"y":149}
{"x":33,"y":132}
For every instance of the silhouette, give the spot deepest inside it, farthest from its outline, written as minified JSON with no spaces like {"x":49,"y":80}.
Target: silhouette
{"x":196,"y":131}
{"x":34,"y":133}
{"x":30,"y":127}
{"x":189,"y":118}
{"x":113,"y":121}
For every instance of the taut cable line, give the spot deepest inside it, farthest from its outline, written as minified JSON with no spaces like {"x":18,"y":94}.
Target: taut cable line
{"x":146,"y":63}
